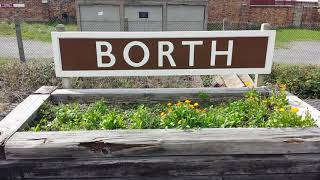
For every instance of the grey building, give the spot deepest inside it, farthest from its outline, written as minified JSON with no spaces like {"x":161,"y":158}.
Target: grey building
{"x":142,"y":15}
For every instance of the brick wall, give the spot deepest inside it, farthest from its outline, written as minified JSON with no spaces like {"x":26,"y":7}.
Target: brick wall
{"x":240,"y":11}
{"x":32,"y":11}
{"x":35,"y":10}
{"x":275,"y":15}
{"x":232,"y":10}
{"x":310,"y":15}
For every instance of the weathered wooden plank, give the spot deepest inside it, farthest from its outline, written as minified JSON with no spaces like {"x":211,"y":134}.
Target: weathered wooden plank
{"x":20,"y":115}
{"x":304,"y":108}
{"x":232,"y":81}
{"x":246,"y":79}
{"x":169,"y":167}
{"x":46,"y":90}
{"x":118,"y":143}
{"x":149,"y":95}
{"x":217,"y":81}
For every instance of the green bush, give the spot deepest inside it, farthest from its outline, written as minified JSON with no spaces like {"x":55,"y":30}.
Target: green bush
{"x":253,"y":111}
{"x":301,"y":80}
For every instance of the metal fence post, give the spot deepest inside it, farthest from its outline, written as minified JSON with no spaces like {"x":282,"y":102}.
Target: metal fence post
{"x":66,"y":82}
{"x":126,"y":24}
{"x":224,"y":24}
{"x":258,"y":80}
{"x":19,"y":39}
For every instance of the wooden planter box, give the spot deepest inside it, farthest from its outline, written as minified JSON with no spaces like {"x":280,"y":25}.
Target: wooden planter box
{"x":159,"y":154}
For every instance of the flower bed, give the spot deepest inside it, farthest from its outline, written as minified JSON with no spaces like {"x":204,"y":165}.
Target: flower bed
{"x":252,"y":111}
{"x":87,"y":152}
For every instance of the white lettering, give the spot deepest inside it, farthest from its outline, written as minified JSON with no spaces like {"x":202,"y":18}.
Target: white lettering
{"x":146,"y":54}
{"x":191,"y":45}
{"x":100,"y":54}
{"x":167,"y":53}
{"x":215,"y":53}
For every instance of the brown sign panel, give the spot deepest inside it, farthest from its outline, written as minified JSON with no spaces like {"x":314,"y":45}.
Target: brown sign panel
{"x":85,"y":54}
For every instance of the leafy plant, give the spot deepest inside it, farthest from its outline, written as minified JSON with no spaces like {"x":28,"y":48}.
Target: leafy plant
{"x":302,"y":80}
{"x":252,"y":111}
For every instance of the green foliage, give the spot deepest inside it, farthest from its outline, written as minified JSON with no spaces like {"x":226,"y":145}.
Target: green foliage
{"x":252,"y":111}
{"x":301,"y":80}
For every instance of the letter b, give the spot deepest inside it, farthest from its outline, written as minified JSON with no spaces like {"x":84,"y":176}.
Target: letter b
{"x":100,"y":54}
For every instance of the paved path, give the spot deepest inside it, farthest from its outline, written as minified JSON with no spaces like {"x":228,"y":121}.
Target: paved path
{"x":297,"y":52}
{"x":33,"y":49}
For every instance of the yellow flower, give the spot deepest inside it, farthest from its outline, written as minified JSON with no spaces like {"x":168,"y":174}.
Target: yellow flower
{"x":162,"y":114}
{"x":283,"y":86}
{"x":204,"y":110}
{"x":169,"y":110}
{"x":196,"y":104}
{"x":281,"y":109}
{"x":169,"y":104}
{"x":197,"y":110}
{"x":248,"y":84}
{"x":187,"y":101}
{"x":179,"y":103}
{"x":191,"y":106}
{"x":294,"y":109}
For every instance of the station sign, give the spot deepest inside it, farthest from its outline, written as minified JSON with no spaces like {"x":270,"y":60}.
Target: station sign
{"x":96,"y":54}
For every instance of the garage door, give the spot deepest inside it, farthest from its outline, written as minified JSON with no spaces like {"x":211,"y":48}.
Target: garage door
{"x":100,"y":18}
{"x":144,"y":18}
{"x":185,"y":18}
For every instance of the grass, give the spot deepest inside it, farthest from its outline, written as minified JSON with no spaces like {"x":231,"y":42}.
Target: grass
{"x":32,"y":31}
{"x":4,"y":61}
{"x":286,"y":36}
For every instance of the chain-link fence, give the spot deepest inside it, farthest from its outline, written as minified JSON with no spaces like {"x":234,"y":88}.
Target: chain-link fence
{"x":293,"y":45}
{"x":26,"y":41}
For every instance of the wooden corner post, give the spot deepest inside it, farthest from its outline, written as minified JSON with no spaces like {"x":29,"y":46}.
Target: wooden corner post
{"x":259,"y":80}
{"x":66,"y":82}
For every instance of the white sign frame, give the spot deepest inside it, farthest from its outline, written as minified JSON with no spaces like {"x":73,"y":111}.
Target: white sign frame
{"x":271,"y":34}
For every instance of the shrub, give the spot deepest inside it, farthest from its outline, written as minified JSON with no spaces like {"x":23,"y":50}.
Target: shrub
{"x":301,"y":80}
{"x":18,"y":80}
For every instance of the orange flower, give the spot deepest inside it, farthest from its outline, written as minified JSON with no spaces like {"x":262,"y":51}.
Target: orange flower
{"x":294,"y":109}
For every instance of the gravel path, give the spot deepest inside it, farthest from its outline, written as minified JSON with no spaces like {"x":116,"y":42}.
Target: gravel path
{"x":33,"y":49}
{"x":299,"y":53}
